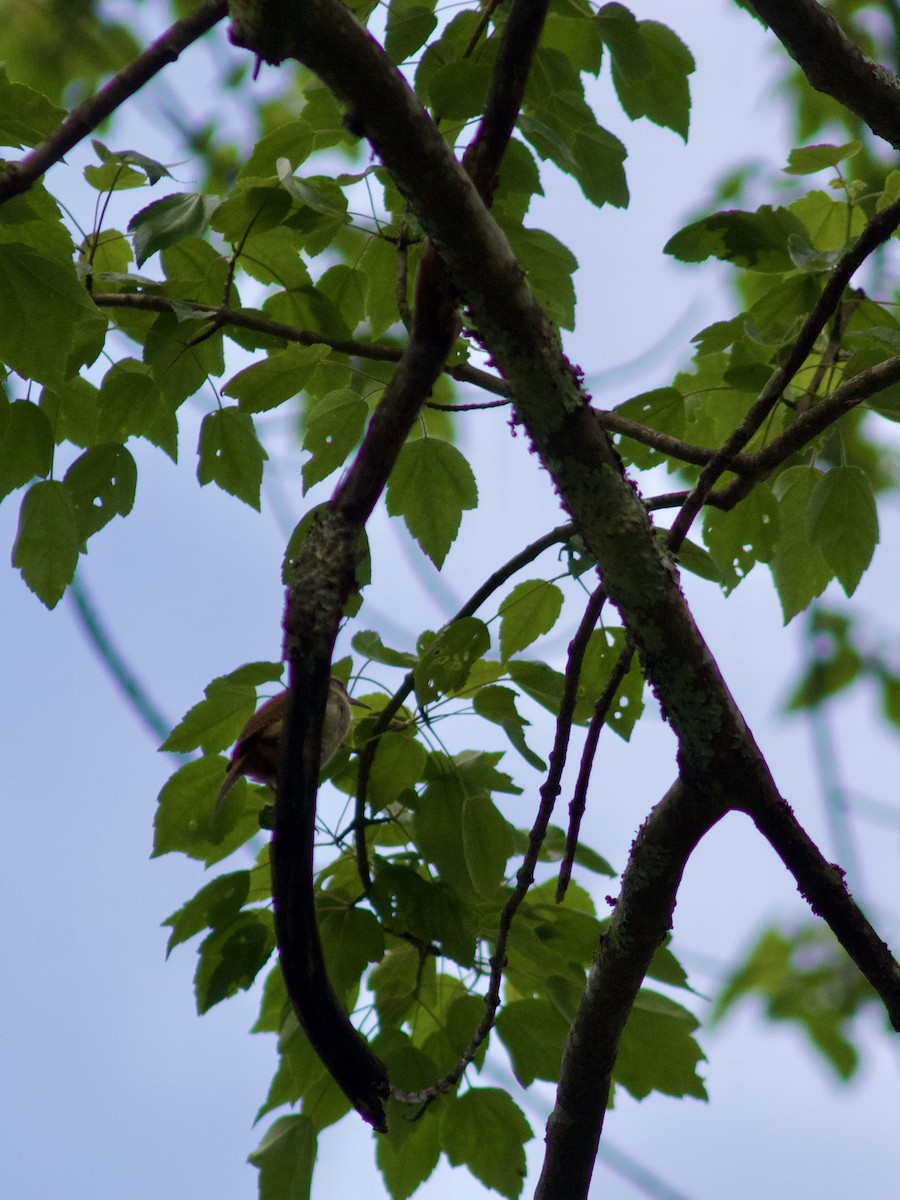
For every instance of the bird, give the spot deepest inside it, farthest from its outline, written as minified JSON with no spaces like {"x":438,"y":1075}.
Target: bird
{"x":255,"y":752}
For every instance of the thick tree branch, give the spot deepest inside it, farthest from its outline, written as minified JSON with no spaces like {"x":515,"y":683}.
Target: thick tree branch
{"x":721,"y":766}
{"x":834,"y":65}
{"x":19,"y":176}
{"x":323,"y":574}
{"x":641,"y":919}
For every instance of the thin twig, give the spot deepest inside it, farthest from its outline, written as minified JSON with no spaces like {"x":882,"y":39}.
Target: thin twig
{"x":366,"y":756}
{"x":525,"y":875}
{"x":19,"y":176}
{"x":259,"y":323}
{"x":578,"y":802}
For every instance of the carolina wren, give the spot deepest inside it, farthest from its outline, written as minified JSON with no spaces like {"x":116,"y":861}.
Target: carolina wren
{"x":255,"y":752}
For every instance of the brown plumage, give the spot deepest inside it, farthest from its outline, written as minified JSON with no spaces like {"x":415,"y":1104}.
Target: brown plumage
{"x":255,"y":752}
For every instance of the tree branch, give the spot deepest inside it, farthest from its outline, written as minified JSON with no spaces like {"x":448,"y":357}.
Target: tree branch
{"x":525,"y":874}
{"x":720,"y":764}
{"x":366,"y":756}
{"x":835,"y":65}
{"x":19,"y":176}
{"x":578,"y":803}
{"x":323,"y":574}
{"x":258,"y":322}
{"x":876,"y":232}
{"x":641,"y":919}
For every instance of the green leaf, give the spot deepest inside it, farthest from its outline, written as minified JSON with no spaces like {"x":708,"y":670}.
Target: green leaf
{"x":842,"y":521}
{"x":317,"y":192}
{"x":410,"y":23}
{"x":825,"y":677}
{"x":437,"y":831}
{"x":663,"y":409}
{"x":215,"y":905}
{"x":534,"y":1033}
{"x":293,"y":140}
{"x":71,"y":408}
{"x":429,"y":910}
{"x":285,"y":1159}
{"x":394,"y":983}
{"x":446,"y":659}
{"x":529,"y":611}
{"x":333,"y":428}
{"x":301,"y":1075}
{"x":604,"y":648}
{"x":755,"y":240}
{"x":538,"y":681}
{"x":553,"y":849}
{"x":47,"y":543}
{"x":26,"y":445}
{"x":130,"y":404}
{"x":181,"y":355}
{"x":40,"y":294}
{"x":214,"y":723}
{"x":352,"y":938}
{"x":743,"y":536}
{"x":153,"y":170}
{"x":666,"y":968}
{"x":650,"y":68}
{"x":231,"y":455}
{"x":457,"y":90}
{"x":802,"y":979}
{"x":35,"y":220}
{"x":562,"y":128}
{"x":657,"y":1052}
{"x":254,"y":206}
{"x":398,"y":765}
{"x":409,"y":1154}
{"x":166,"y":221}
{"x":487,"y":844}
{"x":26,"y":117}
{"x":369,"y":644}
{"x":695,"y":559}
{"x":498,"y":704}
{"x":486,"y":1131}
{"x":798,"y":567}
{"x":380,"y":264}
{"x":548,"y":267}
{"x":232,"y":957}
{"x":575,"y":35}
{"x":346,"y":287}
{"x":186,"y":821}
{"x":102,"y":483}
{"x":113,"y":177}
{"x":276,"y":378}
{"x":430,"y":487}
{"x":809,"y":159}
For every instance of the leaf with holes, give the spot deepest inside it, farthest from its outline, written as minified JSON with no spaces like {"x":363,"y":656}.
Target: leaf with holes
{"x":102,"y":483}
{"x":231,"y":454}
